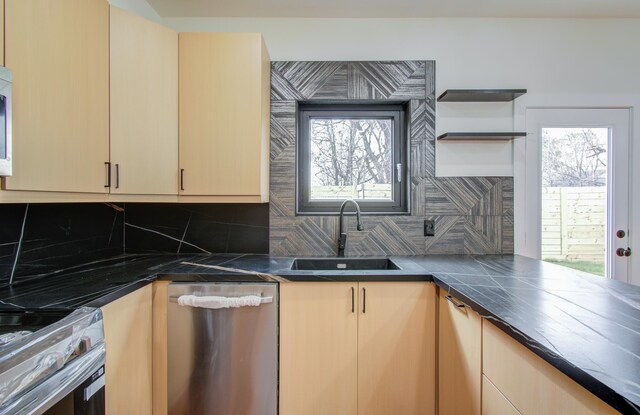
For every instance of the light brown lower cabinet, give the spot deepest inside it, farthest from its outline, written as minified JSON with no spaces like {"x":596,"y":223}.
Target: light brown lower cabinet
{"x":318,"y":348}
{"x":459,"y":357}
{"x":494,"y":402}
{"x":531,"y":384}
{"x":128,"y":328}
{"x":357,"y":348}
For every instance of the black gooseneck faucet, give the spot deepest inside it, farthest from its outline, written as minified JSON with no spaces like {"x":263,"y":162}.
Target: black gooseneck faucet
{"x":342,"y":238}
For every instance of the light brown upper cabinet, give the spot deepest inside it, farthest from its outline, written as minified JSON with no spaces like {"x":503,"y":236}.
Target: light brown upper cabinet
{"x":144,"y":106}
{"x":350,"y":348}
{"x":224,"y":116}
{"x":59,"y":54}
{"x":459,"y":358}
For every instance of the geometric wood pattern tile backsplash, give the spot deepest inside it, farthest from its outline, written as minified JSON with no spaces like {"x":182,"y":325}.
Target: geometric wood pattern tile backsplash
{"x":473,"y":215}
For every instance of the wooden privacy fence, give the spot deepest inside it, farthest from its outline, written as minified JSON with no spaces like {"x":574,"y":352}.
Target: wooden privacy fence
{"x":358,"y":192}
{"x":574,"y":223}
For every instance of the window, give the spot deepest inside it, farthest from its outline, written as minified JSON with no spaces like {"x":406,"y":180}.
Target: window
{"x":356,"y":151}
{"x":574,"y":197}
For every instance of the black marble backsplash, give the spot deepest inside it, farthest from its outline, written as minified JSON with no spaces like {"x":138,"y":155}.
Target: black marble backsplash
{"x":38,"y":240}
{"x":185,"y":228}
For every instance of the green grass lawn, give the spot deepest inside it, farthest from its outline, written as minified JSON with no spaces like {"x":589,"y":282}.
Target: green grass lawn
{"x":590,"y":267}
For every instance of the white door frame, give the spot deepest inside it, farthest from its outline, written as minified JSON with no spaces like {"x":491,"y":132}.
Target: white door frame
{"x":527,"y":175}
{"x":566,"y":99}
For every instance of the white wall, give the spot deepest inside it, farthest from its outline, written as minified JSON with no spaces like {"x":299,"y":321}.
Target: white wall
{"x":139,"y":7}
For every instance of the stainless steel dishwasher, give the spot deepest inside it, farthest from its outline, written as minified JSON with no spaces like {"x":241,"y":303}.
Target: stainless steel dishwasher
{"x":223,"y":361}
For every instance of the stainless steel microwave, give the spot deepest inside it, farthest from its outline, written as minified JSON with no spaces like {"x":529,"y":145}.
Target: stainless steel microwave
{"x":5,"y":121}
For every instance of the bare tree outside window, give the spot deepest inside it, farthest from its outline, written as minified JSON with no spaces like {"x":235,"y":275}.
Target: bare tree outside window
{"x":352,"y":151}
{"x":574,"y":157}
{"x":351,"y":158}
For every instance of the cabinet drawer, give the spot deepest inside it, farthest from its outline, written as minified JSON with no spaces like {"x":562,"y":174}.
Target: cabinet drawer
{"x":531,"y":384}
{"x":494,"y":402}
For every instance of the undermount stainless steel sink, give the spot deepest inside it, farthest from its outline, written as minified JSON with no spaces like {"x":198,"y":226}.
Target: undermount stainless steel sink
{"x":343,"y":264}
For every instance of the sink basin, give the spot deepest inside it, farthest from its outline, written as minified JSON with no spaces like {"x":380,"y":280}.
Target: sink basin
{"x":343,"y":264}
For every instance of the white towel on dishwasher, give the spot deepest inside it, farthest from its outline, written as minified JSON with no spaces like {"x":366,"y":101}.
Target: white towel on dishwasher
{"x":216,"y":302}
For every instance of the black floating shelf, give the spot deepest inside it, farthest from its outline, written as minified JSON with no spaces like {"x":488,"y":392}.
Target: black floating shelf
{"x":480,"y":136}
{"x":481,"y":95}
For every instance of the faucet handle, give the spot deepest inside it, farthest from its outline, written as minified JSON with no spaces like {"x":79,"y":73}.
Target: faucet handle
{"x":343,"y":240}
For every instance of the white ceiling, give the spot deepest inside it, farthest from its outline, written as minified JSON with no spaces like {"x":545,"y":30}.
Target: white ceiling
{"x":398,"y":8}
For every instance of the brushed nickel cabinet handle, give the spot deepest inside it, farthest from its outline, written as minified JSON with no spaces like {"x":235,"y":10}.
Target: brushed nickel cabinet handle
{"x":117,"y":176}
{"x":182,"y":179}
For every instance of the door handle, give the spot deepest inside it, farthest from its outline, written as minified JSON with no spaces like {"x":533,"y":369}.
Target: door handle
{"x":623,"y":252}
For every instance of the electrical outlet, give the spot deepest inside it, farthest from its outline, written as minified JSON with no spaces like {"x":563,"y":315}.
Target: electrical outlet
{"x":429,"y":228}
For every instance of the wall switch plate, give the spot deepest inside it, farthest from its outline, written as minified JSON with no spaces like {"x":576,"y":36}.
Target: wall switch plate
{"x":429,"y":228}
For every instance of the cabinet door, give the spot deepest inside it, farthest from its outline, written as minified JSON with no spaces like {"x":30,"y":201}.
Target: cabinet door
{"x":59,"y":54}
{"x":318,"y":348}
{"x":459,"y":358}
{"x":127,"y":327}
{"x":531,"y":384}
{"x":224,"y":116}
{"x":396,"y":348}
{"x":144,"y":106}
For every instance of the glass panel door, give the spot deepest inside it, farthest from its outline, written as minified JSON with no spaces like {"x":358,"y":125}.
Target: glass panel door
{"x":578,"y":188}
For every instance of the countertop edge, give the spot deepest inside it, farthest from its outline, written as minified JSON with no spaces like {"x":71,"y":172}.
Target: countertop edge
{"x":121,"y":292}
{"x":582,"y":378}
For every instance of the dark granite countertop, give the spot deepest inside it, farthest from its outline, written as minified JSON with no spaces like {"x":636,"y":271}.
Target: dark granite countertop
{"x":588,"y":327}
{"x":71,"y":288}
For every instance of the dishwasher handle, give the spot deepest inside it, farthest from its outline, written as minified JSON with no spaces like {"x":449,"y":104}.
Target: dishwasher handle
{"x":218,"y":302}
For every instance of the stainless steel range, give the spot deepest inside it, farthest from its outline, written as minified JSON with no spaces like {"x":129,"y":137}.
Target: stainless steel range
{"x":52,"y":362}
